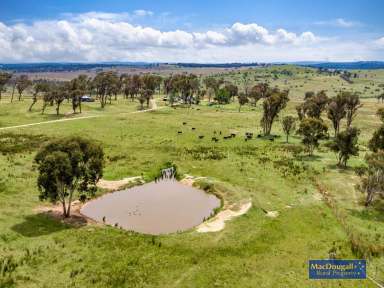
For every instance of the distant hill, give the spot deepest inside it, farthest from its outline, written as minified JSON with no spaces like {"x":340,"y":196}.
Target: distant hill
{"x":345,"y":65}
{"x":67,"y":67}
{"x":218,"y":65}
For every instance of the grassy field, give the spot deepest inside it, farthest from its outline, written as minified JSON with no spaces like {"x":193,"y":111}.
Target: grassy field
{"x":252,"y":251}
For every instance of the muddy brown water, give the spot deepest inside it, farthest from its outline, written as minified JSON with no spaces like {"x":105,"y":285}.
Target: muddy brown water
{"x":154,"y":208}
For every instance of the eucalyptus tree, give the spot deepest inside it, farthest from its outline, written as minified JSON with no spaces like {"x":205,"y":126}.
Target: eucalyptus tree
{"x":243,"y":99}
{"x":232,"y":89}
{"x":376,"y":143}
{"x":22,"y":83}
{"x":131,"y":85}
{"x":212,"y":84}
{"x":246,"y":80}
{"x":145,"y":96}
{"x":352,"y":104}
{"x":67,"y":166}
{"x":187,"y":86}
{"x":41,"y":86}
{"x":275,"y":101}
{"x":106,"y":85}
{"x":312,"y":130}
{"x":223,"y":96}
{"x":313,"y":105}
{"x":78,"y":87}
{"x":4,"y":79}
{"x":288,"y":124}
{"x":59,"y":92}
{"x":345,"y":145}
{"x":258,"y":92}
{"x":372,"y":177}
{"x":336,"y":111}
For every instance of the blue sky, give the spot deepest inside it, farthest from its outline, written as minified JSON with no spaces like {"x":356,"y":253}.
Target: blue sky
{"x":198,"y":31}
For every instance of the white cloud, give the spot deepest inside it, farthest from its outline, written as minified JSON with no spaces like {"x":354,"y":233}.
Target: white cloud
{"x":380,"y":42}
{"x":339,"y":22}
{"x":142,"y":13}
{"x":96,"y":36}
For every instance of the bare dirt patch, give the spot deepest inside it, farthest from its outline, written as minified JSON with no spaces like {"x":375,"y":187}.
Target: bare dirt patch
{"x":217,"y":223}
{"x":117,"y":184}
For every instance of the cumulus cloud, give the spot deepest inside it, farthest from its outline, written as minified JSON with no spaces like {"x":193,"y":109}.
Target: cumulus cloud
{"x":96,"y":36}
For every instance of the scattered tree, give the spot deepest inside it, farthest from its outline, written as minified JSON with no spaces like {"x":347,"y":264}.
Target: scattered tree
{"x":39,"y":87}
{"x":67,"y":166}
{"x":377,"y":141}
{"x":223,"y":96}
{"x":345,"y":144}
{"x":258,"y":92}
{"x":288,"y":124}
{"x":243,"y":99}
{"x":313,"y":105}
{"x":232,"y":90}
{"x":22,"y":83}
{"x":312,"y":130}
{"x":4,"y":78}
{"x":352,"y":104}
{"x":275,"y":101}
{"x":372,"y":177}
{"x":336,"y":111}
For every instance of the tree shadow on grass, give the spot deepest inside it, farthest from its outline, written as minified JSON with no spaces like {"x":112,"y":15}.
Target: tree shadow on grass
{"x":309,"y":158}
{"x":340,"y":169}
{"x":44,"y":224}
{"x":369,"y":214}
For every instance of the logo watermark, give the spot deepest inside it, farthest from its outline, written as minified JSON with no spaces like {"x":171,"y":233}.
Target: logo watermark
{"x":337,"y":269}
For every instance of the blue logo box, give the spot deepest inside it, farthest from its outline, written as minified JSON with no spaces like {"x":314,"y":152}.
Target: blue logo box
{"x":337,"y":269}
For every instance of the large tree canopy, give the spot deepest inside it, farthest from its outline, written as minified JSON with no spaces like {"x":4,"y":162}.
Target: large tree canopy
{"x":67,"y":166}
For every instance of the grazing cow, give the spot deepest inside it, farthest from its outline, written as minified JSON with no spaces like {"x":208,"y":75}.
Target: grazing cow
{"x":179,"y":132}
{"x":193,"y":128}
{"x":258,"y":135}
{"x":220,"y":132}
{"x":249,"y":135}
{"x":201,"y":136}
{"x":184,"y":123}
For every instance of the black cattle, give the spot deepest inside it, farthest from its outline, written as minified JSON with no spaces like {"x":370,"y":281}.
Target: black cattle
{"x":179,"y":132}
{"x":201,"y":136}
